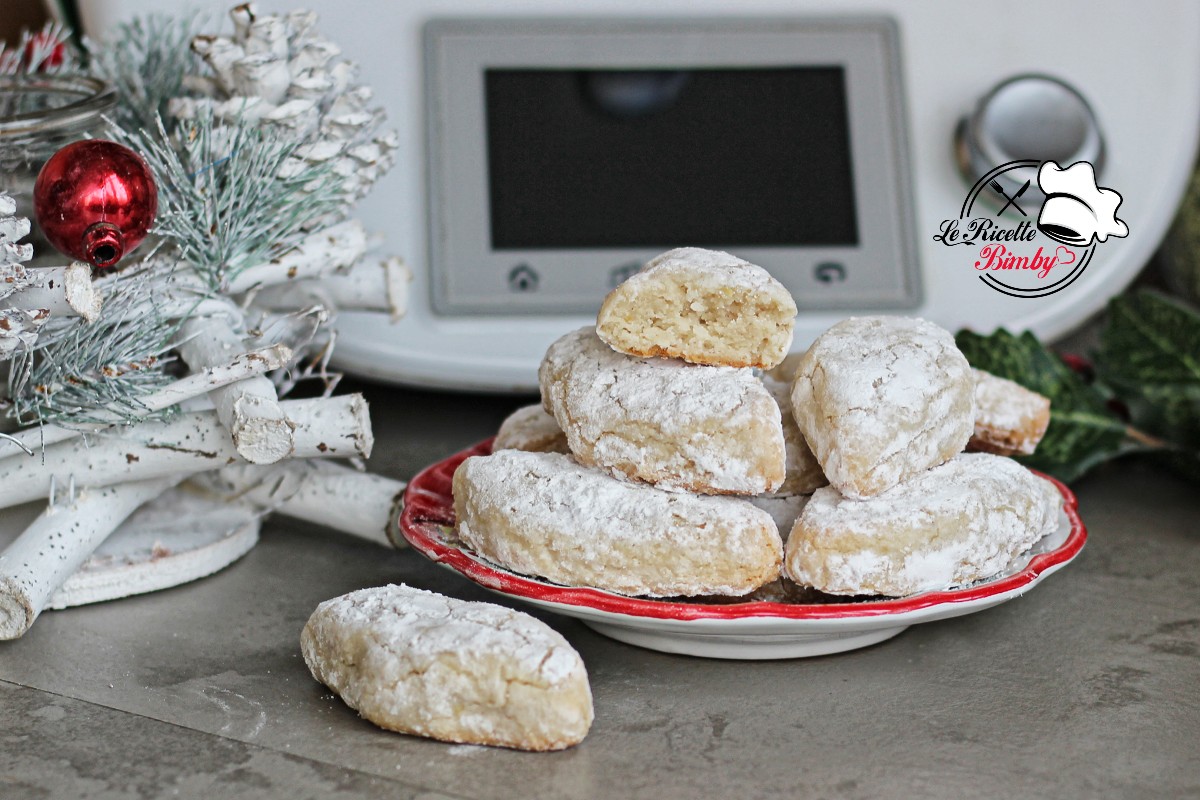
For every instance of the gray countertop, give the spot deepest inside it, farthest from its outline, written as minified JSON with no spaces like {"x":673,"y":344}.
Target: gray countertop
{"x":1088,"y":686}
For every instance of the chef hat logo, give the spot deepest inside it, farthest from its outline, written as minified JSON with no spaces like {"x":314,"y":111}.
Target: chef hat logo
{"x":1076,"y":210}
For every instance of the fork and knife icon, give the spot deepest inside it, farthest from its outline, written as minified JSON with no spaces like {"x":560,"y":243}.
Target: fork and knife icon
{"x":1012,"y":201}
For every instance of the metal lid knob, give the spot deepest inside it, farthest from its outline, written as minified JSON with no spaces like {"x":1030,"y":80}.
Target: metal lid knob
{"x":1030,"y":117}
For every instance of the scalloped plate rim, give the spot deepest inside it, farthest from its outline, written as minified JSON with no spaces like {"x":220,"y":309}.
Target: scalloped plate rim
{"x":422,"y":498}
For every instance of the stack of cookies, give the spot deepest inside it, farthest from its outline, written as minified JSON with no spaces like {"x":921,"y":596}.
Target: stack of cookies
{"x":888,"y":405}
{"x":660,"y":425}
{"x":675,"y":450}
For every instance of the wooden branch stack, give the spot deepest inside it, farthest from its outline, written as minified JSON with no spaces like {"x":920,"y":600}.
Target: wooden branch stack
{"x":234,"y":438}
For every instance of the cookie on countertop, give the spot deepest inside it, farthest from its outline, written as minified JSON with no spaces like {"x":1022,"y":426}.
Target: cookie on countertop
{"x":703,"y":306}
{"x":711,"y":430}
{"x":1010,"y":420}
{"x":531,"y":428}
{"x":418,"y":662}
{"x":543,"y":514}
{"x":957,"y":523}
{"x":881,"y":399}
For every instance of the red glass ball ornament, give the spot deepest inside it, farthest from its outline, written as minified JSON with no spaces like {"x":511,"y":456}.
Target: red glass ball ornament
{"x":95,"y":200}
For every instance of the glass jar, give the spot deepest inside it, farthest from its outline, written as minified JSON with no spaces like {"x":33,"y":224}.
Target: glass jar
{"x":38,"y":115}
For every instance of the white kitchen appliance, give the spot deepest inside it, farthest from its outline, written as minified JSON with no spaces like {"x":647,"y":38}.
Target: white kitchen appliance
{"x":548,"y":148}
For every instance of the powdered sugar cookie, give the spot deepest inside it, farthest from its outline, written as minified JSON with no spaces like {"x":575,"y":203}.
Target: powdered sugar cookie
{"x":956,"y":523}
{"x":803,"y":474}
{"x":417,"y":662}
{"x":880,"y":399}
{"x":703,"y":306}
{"x":544,"y":514}
{"x":531,"y":428}
{"x":1010,"y":420}
{"x":712,"y":430}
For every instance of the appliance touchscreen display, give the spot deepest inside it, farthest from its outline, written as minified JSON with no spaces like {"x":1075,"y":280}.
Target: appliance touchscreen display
{"x":658,"y":158}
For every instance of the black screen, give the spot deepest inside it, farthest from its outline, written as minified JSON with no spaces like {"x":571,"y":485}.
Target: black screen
{"x":708,"y":157}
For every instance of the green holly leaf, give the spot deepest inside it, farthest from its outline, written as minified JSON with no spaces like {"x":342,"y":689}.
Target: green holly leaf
{"x":1150,"y":355}
{"x":1083,"y":431}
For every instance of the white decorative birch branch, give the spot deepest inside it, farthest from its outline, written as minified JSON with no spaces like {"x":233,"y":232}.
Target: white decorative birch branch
{"x":337,"y":427}
{"x":249,"y":409}
{"x":62,"y":291}
{"x":365,"y":288}
{"x":321,"y":492}
{"x":240,"y":367}
{"x":57,"y":543}
{"x":336,"y":248}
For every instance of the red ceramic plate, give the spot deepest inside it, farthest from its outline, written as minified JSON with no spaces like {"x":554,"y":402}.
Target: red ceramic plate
{"x":736,"y":630}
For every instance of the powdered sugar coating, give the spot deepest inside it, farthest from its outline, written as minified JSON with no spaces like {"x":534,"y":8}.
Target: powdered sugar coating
{"x":1009,"y":419}
{"x":962,"y":521}
{"x":531,"y":428}
{"x":703,"y":306}
{"x":419,"y":662}
{"x":733,"y":271}
{"x":544,"y":514}
{"x":712,"y":430}
{"x":880,"y":399}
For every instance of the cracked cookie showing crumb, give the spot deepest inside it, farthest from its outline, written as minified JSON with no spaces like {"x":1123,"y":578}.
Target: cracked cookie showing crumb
{"x":959,"y":522}
{"x":475,"y":673}
{"x":544,"y":514}
{"x":1010,"y":420}
{"x":880,"y":399}
{"x":703,"y":306}
{"x":531,"y":428}
{"x":711,"y":430}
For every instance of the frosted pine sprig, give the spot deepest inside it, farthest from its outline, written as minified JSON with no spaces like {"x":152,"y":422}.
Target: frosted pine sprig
{"x":222,"y":199}
{"x":77,"y":367}
{"x":147,"y":61}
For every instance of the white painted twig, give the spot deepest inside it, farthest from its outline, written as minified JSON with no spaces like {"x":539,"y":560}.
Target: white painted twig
{"x":326,"y":252}
{"x":62,"y":291}
{"x":336,"y":427}
{"x":322,"y":492}
{"x":248,"y":409}
{"x":366,"y":287}
{"x":240,"y":367}
{"x":335,"y":248}
{"x":57,"y":543}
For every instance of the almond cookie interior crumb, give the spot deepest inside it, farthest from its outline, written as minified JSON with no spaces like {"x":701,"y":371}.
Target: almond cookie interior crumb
{"x":703,"y":306}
